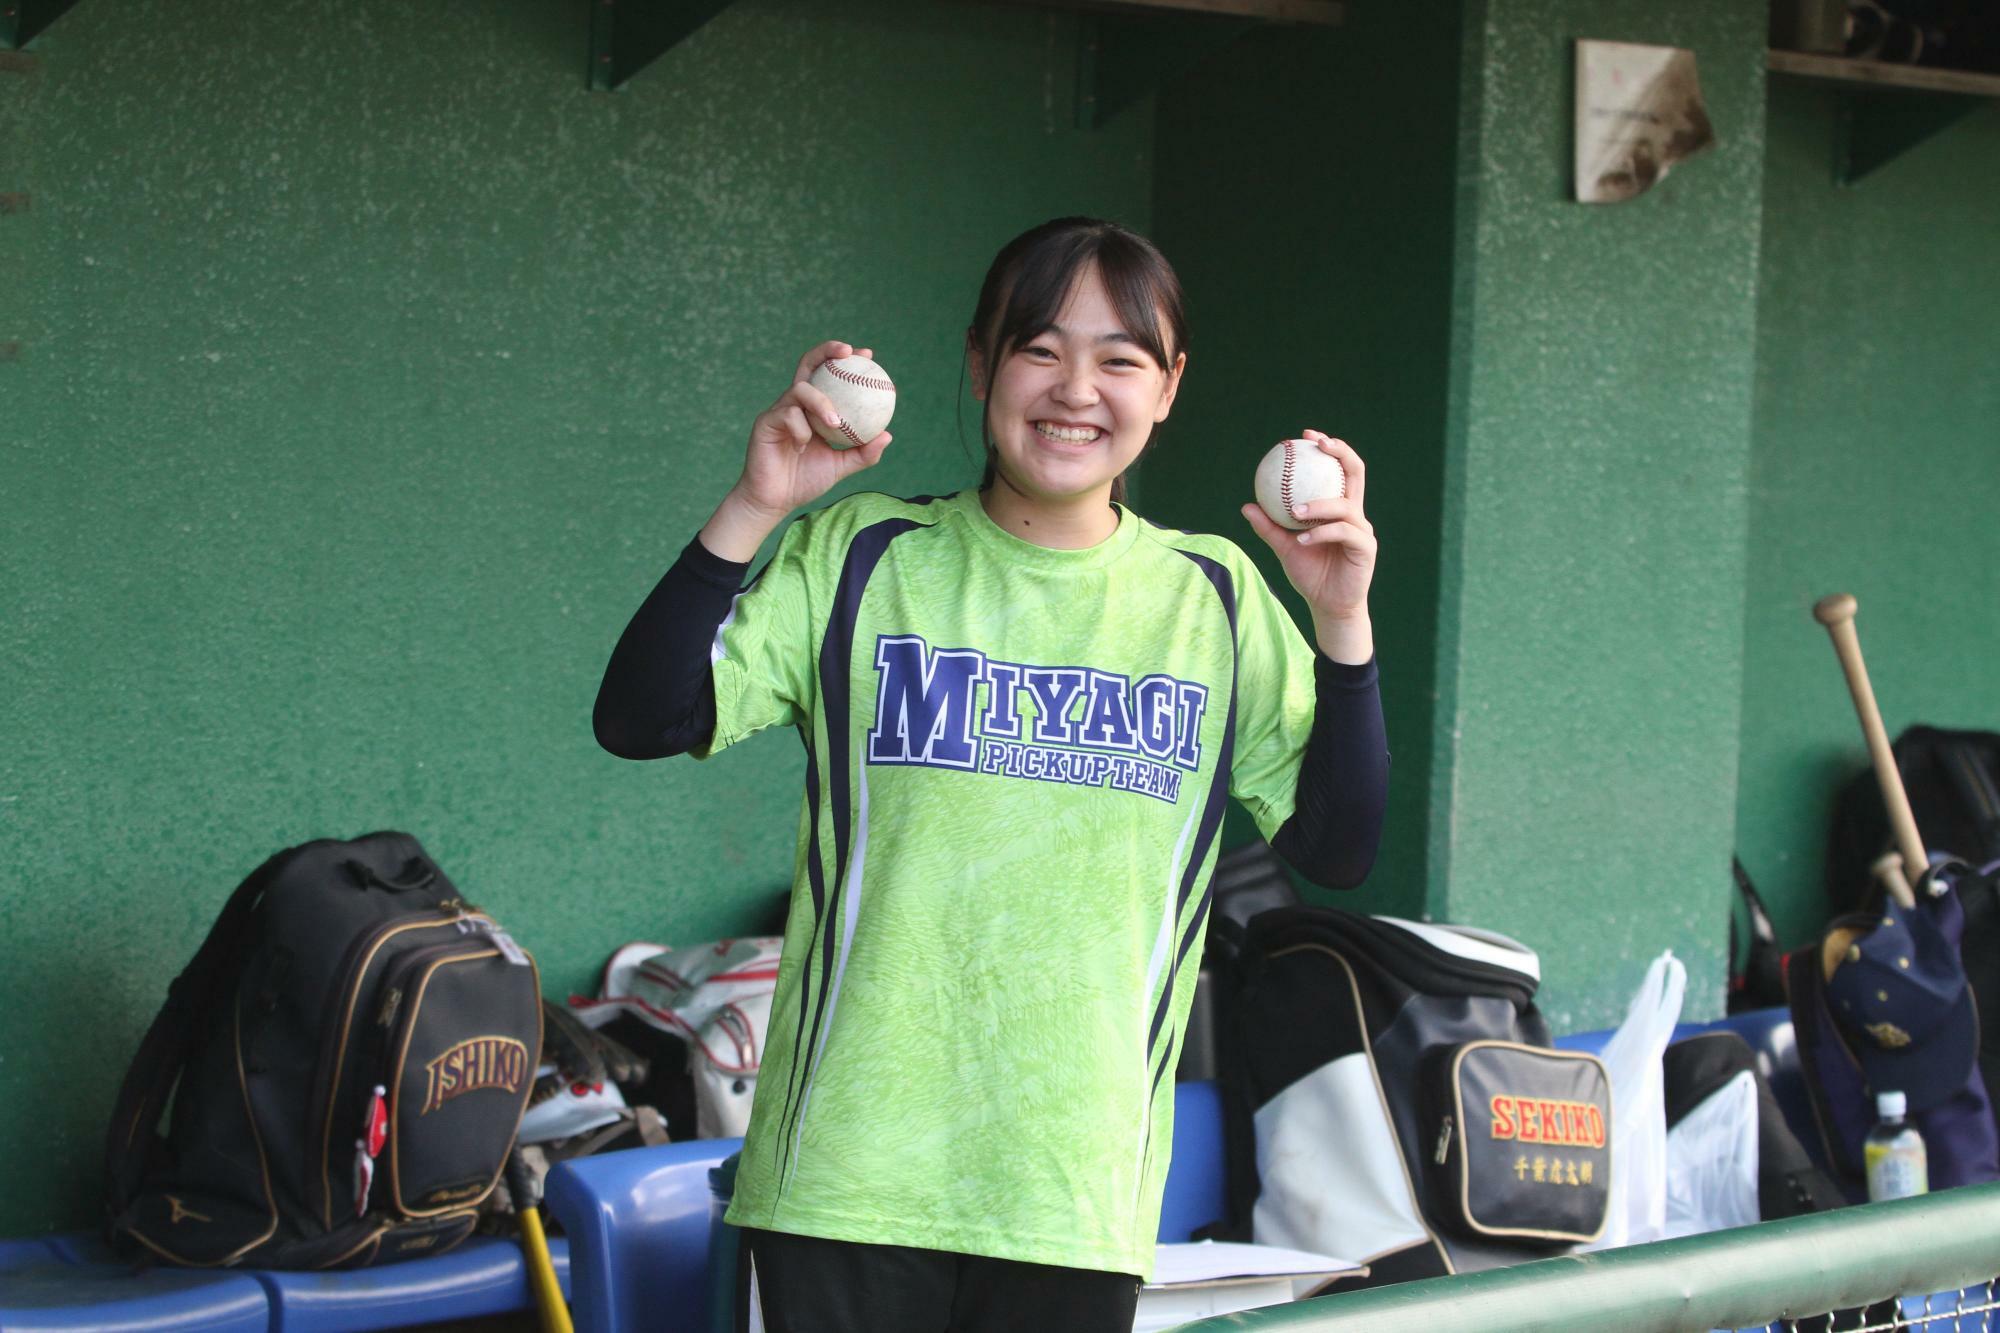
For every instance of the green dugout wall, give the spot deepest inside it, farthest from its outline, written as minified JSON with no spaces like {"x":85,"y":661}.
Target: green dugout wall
{"x":1556,"y":403}
{"x":359,"y":372}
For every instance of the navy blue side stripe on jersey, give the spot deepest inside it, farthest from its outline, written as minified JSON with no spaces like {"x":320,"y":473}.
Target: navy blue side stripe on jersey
{"x":817,"y":878}
{"x":864,"y":553}
{"x":1211,"y":821}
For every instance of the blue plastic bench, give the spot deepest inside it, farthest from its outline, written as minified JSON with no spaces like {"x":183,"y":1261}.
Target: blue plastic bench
{"x":43,"y":1289}
{"x":638,"y":1225}
{"x":484,"y":1276}
{"x":1197,"y":1176}
{"x":1594,"y":1041}
{"x":74,"y":1281}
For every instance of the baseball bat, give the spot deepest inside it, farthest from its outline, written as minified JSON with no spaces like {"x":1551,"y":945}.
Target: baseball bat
{"x":1836,"y":612}
{"x":549,"y":1303}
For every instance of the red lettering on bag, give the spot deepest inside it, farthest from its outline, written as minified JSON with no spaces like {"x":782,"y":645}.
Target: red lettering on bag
{"x":1561,"y":1124}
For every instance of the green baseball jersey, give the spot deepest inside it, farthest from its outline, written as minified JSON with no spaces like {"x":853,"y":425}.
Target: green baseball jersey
{"x":1018,"y":760}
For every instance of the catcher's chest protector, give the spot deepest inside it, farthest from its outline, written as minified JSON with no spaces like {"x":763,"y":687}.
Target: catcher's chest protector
{"x":347,"y":1059}
{"x":1405,"y":1109}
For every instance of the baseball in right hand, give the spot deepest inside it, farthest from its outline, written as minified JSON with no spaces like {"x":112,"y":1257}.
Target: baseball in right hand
{"x":863,"y":397}
{"x":788,"y":463}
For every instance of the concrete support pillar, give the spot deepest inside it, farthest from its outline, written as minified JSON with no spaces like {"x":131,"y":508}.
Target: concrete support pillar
{"x":1590,"y":619}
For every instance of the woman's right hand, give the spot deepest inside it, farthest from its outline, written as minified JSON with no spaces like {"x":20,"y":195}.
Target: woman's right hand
{"x":787,"y":464}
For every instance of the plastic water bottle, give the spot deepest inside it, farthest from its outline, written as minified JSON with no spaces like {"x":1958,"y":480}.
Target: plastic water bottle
{"x":1894,"y":1152}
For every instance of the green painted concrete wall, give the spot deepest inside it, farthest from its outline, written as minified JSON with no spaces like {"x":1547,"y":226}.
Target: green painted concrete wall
{"x":1877,"y":469}
{"x":1317,"y":253}
{"x":1590,"y":629}
{"x":371,"y":371}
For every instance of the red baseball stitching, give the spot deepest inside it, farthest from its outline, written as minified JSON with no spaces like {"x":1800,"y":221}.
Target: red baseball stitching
{"x":848,"y":431}
{"x":851,"y":377}
{"x":1285,"y":481}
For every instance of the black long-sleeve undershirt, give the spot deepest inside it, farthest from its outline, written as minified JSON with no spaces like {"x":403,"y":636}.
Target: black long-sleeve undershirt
{"x":1336,"y":821}
{"x":658,"y":699}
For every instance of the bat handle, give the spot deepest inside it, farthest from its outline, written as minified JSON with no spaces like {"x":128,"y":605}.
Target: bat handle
{"x":542,"y":1282}
{"x":1889,"y":869}
{"x":1837,"y":614}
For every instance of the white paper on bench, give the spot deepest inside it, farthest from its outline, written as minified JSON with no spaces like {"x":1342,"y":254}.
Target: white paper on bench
{"x":1220,"y":1261}
{"x":1191,"y":1281}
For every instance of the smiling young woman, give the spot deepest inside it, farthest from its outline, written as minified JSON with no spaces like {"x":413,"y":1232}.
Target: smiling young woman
{"x":1075,"y":378}
{"x":1024,"y":709}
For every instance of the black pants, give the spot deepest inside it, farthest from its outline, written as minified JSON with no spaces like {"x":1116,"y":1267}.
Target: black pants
{"x":809,"y":1285}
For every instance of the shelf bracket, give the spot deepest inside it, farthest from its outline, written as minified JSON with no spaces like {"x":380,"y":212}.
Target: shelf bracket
{"x":628,"y":35}
{"x":1122,"y":59}
{"x":1874,"y":129}
{"x":21,"y":21}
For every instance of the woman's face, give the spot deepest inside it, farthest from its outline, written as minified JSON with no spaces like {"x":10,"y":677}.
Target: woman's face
{"x":1069,"y":410}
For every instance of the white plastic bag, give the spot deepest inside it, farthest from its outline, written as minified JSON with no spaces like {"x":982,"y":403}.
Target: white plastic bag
{"x":1712,"y":1162}
{"x":1637,"y":1212}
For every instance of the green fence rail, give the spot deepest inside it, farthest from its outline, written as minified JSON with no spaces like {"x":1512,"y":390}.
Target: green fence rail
{"x":1743,"y":1278}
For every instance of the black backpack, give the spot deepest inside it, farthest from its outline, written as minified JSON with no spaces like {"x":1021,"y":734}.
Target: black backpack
{"x":1952,"y":779}
{"x":347,"y":1058}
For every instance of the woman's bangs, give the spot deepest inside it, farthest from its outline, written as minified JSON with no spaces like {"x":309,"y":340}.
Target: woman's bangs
{"x":1136,"y":294}
{"x":1036,"y":295}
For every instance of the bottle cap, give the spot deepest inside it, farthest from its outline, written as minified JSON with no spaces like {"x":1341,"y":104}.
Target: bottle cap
{"x":1890,"y":1105}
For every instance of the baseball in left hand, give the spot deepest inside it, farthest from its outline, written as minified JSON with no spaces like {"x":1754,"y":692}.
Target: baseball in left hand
{"x":1332,"y":561}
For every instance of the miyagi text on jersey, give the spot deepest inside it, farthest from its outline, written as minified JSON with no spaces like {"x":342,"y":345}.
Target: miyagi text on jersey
{"x":958,"y":708}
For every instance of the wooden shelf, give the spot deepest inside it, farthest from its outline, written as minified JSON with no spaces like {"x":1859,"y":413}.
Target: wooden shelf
{"x":1126,"y":49}
{"x":628,"y":35}
{"x":1882,"y":74}
{"x":1885,"y":109}
{"x":21,"y":21}
{"x":1328,"y":13}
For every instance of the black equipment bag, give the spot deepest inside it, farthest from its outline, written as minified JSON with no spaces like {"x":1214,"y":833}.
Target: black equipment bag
{"x":1337,"y":1026}
{"x":1978,"y":893}
{"x":1953,"y":782}
{"x":347,"y":1059}
{"x":1248,"y":880}
{"x":1788,"y":1184}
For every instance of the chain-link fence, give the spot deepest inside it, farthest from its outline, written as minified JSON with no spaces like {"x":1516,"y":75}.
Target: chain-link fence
{"x":1967,"y":1310}
{"x":1852,"y":1270}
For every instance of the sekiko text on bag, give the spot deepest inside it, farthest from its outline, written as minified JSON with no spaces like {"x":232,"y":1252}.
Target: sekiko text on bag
{"x":1524,"y":1142}
{"x":346,"y":1057}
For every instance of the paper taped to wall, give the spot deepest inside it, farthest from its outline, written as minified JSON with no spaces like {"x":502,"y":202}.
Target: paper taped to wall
{"x":1638,"y":112}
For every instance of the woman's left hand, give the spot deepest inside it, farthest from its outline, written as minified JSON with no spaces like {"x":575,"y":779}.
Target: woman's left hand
{"x":1332,"y":562}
